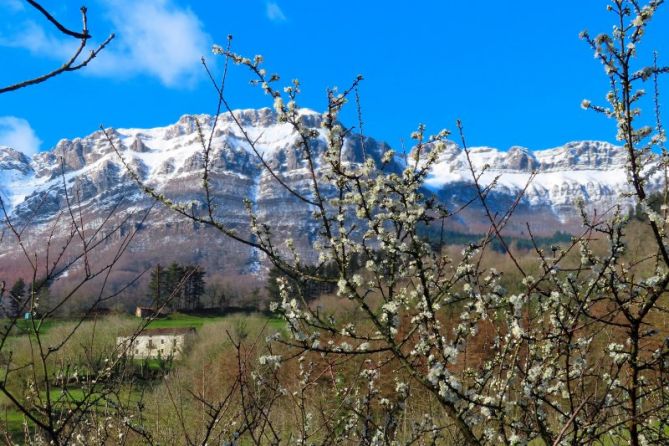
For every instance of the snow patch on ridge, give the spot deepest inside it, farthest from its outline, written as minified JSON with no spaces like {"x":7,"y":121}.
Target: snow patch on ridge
{"x":589,"y":169}
{"x":594,"y":170}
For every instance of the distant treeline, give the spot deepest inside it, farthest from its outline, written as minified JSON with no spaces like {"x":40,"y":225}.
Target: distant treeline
{"x":178,"y":286}
{"x":436,"y":237}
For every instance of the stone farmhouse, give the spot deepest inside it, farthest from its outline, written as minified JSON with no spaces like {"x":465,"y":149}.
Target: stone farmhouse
{"x":156,"y":343}
{"x":149,"y":312}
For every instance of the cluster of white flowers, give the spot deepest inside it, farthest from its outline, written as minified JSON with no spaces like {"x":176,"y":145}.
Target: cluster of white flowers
{"x":618,"y":353}
{"x":274,"y":361}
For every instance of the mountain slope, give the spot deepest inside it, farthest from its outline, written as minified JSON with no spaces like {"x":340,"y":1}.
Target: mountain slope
{"x":87,"y":173}
{"x":554,"y":178}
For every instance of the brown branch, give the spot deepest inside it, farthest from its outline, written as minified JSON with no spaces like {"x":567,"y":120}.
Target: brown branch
{"x":83,"y":35}
{"x":74,"y":63}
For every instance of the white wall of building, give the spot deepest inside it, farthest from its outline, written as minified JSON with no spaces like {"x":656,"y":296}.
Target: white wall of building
{"x":154,"y":346}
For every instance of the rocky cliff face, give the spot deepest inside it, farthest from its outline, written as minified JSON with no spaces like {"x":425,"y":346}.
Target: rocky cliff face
{"x":589,"y":170}
{"x":88,"y":174}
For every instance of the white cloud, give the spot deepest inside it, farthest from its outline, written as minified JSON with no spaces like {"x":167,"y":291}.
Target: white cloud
{"x":17,"y":134}
{"x":36,"y":40}
{"x":153,"y":37}
{"x":274,"y":12}
{"x":12,"y":5}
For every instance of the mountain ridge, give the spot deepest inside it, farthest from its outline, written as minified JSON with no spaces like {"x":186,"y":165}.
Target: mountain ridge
{"x":169,"y":159}
{"x":154,"y":143}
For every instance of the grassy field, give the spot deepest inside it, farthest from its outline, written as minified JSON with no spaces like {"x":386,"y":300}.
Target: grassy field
{"x":12,"y":421}
{"x":180,"y":320}
{"x":25,"y":326}
{"x":174,"y":320}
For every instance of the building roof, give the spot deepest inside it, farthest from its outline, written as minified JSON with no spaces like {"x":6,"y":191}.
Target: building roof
{"x":155,"y":310}
{"x":167,"y":331}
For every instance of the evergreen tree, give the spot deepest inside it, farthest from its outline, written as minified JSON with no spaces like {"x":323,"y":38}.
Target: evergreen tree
{"x":173,"y":277}
{"x":308,"y":288}
{"x":272,"y":286}
{"x":183,"y":285}
{"x":14,"y":301}
{"x":655,"y":201}
{"x":194,"y":286}
{"x":157,"y":285}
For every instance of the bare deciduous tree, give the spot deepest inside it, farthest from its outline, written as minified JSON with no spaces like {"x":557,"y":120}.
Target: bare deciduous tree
{"x":77,"y":61}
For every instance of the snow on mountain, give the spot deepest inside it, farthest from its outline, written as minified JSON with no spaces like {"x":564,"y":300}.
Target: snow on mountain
{"x":160,"y":155}
{"x":163,"y":155}
{"x":170,"y":159}
{"x":15,"y":175}
{"x":592,"y":170}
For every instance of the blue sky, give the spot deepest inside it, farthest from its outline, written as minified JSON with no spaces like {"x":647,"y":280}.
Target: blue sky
{"x":514,"y":72}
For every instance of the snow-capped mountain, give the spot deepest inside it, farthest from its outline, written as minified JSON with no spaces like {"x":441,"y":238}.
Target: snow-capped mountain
{"x":87,"y":173}
{"x":553,"y":178}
